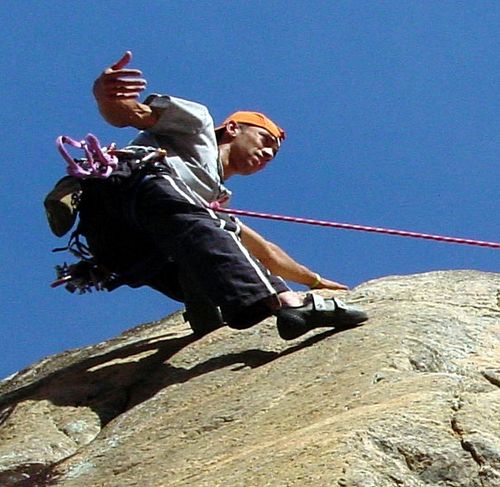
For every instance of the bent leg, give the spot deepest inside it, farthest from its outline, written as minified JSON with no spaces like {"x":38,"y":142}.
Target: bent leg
{"x":206,"y":248}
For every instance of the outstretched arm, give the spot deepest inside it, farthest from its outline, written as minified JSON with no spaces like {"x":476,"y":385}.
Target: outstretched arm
{"x":280,"y":263}
{"x":116,"y":91}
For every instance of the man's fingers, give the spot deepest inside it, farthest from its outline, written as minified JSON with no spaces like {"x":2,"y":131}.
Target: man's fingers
{"x":127,"y":96}
{"x":113,"y":97}
{"x":113,"y":90}
{"x":122,"y":72}
{"x":125,"y":59}
{"x":119,"y":83}
{"x":327,"y":284}
{"x":340,"y":286}
{"x":127,"y":81}
{"x":130,"y":72}
{"x":120,"y":92}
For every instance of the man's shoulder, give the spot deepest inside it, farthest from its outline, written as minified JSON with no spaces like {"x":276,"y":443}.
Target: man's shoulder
{"x":179,"y":115}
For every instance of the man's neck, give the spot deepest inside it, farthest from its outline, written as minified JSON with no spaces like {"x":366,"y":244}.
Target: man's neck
{"x":224,"y":161}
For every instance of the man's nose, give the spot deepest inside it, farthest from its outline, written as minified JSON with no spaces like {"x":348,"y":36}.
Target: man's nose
{"x":268,"y":153}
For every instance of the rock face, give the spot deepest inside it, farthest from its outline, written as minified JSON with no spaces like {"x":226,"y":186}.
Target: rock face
{"x":411,"y":398}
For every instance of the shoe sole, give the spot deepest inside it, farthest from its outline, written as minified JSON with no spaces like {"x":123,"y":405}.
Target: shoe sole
{"x":293,"y":326}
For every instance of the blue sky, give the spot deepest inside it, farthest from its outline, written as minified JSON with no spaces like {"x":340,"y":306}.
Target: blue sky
{"x":391,"y":110}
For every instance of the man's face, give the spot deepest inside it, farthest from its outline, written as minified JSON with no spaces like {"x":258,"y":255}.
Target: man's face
{"x":251,"y":149}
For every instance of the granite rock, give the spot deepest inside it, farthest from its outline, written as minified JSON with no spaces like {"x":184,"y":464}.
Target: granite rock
{"x":411,"y":398}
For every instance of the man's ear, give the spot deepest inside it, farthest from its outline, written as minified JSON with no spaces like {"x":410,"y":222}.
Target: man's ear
{"x":232,"y":128}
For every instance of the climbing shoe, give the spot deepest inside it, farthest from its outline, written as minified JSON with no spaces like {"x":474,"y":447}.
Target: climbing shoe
{"x":317,"y":312}
{"x":203,"y":317}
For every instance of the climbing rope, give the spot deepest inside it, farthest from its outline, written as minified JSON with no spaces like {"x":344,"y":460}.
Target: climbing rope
{"x":350,"y":226}
{"x":101,"y":161}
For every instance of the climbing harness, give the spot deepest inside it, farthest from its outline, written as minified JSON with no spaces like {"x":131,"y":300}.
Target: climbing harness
{"x":350,"y":226}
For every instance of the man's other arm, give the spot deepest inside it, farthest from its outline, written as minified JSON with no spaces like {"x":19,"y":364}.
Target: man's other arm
{"x":281,"y":264}
{"x":116,"y":91}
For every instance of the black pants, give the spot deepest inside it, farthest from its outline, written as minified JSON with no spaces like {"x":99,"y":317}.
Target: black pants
{"x":202,"y":258}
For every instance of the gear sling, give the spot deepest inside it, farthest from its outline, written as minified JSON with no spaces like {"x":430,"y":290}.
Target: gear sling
{"x":99,"y":192}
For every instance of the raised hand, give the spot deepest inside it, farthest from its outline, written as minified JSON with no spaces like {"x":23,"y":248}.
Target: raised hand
{"x":118,"y":83}
{"x":116,"y":92}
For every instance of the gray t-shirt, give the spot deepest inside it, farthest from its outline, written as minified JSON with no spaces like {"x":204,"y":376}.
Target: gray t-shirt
{"x":186,"y":130}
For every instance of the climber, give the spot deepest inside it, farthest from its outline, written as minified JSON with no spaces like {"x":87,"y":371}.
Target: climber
{"x":224,"y":272}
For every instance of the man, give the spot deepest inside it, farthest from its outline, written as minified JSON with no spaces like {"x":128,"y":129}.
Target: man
{"x":223,"y":271}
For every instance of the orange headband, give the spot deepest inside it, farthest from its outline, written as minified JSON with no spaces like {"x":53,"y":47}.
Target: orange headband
{"x":258,"y":119}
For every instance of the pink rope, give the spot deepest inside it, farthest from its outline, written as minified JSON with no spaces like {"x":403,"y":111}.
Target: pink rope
{"x":362,"y":228}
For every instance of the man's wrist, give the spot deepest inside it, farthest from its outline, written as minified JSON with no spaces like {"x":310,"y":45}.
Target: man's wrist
{"x":316,"y":282}
{"x":128,"y":113}
{"x":145,"y":116}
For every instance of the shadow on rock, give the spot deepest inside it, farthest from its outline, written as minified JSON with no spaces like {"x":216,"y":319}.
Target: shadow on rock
{"x":110,"y":387}
{"x":100,"y":382}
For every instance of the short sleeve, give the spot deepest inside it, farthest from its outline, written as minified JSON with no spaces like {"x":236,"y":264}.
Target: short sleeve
{"x":177,"y":115}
